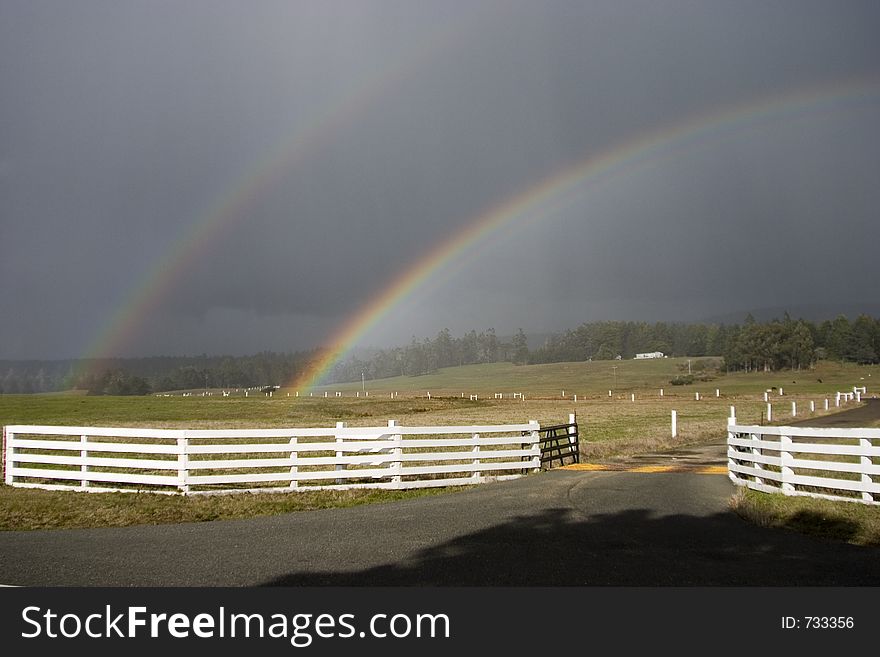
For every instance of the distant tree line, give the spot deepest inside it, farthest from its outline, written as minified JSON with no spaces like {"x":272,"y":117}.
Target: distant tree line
{"x":139,"y":376}
{"x":767,"y":346}
{"x":752,"y":346}
{"x":426,"y":356}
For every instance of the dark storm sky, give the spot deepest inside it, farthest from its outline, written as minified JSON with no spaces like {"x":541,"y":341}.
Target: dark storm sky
{"x":123,"y":123}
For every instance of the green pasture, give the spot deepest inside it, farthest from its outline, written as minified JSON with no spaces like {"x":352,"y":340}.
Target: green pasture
{"x":595,"y":378}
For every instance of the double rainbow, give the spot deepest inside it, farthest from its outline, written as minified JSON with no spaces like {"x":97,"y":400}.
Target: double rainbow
{"x":535,"y":203}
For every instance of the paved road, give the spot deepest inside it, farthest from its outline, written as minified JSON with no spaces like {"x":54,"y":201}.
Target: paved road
{"x":855,"y":417}
{"x":559,"y":528}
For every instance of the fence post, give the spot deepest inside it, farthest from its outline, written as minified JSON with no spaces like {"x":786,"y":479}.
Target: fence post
{"x":731,"y":423}
{"x":866,"y":462}
{"x":339,"y":451}
{"x":769,"y":412}
{"x":536,"y":440}
{"x":826,"y":403}
{"x":294,"y":468}
{"x":8,"y":452}
{"x":183,"y":463}
{"x":476,"y":451}
{"x":794,"y":409}
{"x":396,"y":451}
{"x":756,"y":451}
{"x":573,"y":437}
{"x":786,"y":457}
{"x":674,"y":424}
{"x":84,"y":454}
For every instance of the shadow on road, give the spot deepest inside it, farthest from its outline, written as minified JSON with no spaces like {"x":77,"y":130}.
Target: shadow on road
{"x":629,"y":548}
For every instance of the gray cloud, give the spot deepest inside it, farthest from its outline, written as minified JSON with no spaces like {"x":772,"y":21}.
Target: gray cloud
{"x":124,"y":125}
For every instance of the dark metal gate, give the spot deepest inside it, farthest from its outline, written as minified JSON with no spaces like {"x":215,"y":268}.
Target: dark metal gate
{"x":558,"y":443}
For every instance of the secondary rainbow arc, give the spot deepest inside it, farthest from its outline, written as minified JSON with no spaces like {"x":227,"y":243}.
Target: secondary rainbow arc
{"x":303,"y":141}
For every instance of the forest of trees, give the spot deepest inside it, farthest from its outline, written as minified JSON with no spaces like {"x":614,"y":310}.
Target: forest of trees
{"x":752,"y":346}
{"x":767,"y":346}
{"x":426,"y":356}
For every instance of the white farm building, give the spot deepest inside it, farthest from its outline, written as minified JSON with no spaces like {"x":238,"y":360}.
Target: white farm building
{"x":651,"y":354}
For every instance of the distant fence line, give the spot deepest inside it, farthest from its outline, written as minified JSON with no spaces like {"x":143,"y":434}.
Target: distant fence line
{"x":211,"y":461}
{"x":834,"y":463}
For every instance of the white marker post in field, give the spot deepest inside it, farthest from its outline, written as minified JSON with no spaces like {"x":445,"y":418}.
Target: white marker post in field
{"x":674,"y":424}
{"x":769,"y":412}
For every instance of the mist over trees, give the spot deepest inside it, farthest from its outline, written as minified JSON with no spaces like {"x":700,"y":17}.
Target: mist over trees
{"x":752,"y":346}
{"x":138,"y":376}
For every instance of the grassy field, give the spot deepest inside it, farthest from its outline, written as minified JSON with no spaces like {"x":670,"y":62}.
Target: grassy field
{"x":610,"y":426}
{"x":595,"y":378}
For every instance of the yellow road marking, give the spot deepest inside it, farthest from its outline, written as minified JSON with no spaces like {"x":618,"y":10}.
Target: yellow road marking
{"x":603,"y":467}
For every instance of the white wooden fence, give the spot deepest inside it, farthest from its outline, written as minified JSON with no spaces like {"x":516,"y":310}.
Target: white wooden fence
{"x":836,"y":464}
{"x":210,"y":461}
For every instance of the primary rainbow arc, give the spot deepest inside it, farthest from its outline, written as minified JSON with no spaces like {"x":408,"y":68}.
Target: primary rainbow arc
{"x":540,"y":200}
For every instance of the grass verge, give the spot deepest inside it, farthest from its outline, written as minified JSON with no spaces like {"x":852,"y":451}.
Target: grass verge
{"x":30,"y":509}
{"x":850,"y":522}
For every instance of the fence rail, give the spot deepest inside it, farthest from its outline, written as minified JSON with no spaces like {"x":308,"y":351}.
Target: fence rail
{"x":99,"y":459}
{"x":837,"y":464}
